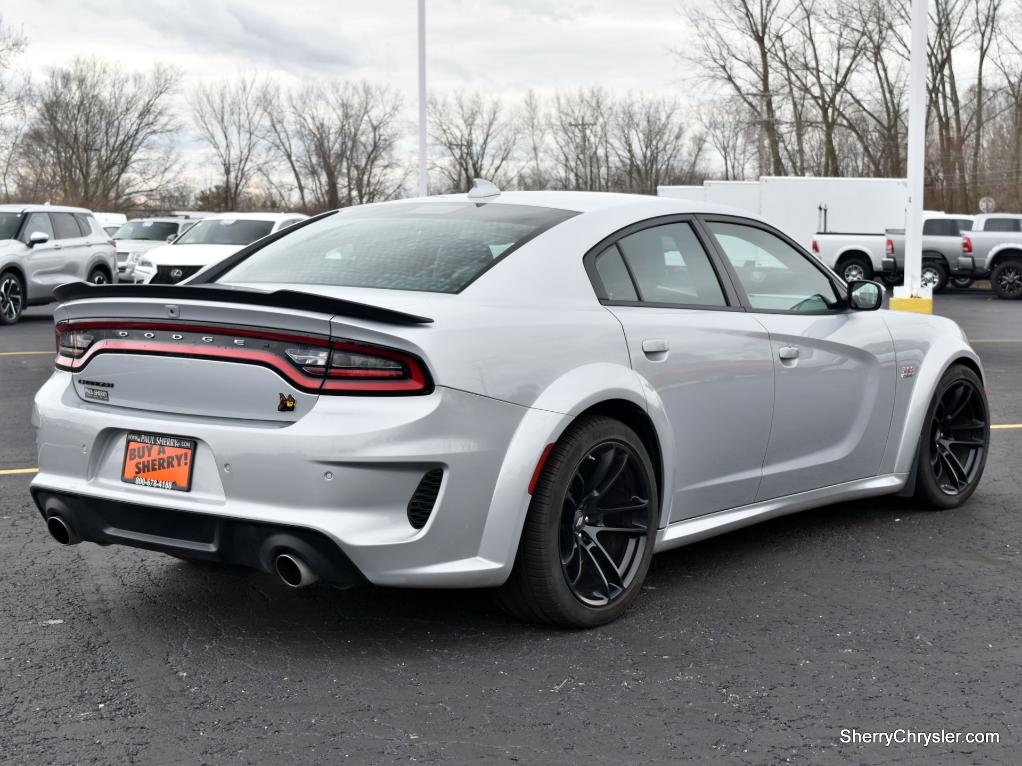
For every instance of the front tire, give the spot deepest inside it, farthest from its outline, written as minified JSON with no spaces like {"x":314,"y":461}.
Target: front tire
{"x":954,"y":441}
{"x":588,"y":537}
{"x":12,"y":298}
{"x":1006,"y":279}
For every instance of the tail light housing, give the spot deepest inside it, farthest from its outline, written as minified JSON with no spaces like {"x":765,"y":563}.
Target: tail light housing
{"x":816,"y":247}
{"x":311,"y":363}
{"x":966,"y":245}
{"x":889,"y":246}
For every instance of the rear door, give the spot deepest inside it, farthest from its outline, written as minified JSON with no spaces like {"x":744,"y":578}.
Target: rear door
{"x":835,"y":368}
{"x":708,"y":361}
{"x":44,"y":262}
{"x":74,"y":248}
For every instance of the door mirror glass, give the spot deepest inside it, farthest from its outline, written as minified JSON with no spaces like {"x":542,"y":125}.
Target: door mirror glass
{"x":37,"y":238}
{"x":865,"y":296}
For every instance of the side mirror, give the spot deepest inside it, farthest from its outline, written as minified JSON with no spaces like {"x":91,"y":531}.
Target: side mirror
{"x":865,"y":296}
{"x":171,"y":238}
{"x":37,"y":238}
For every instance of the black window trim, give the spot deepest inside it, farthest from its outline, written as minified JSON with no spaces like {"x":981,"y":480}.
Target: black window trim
{"x":724,"y":278}
{"x":840,"y":288}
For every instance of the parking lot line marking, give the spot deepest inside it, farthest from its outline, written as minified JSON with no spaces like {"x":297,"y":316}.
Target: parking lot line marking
{"x":17,"y":471}
{"x":24,"y":353}
{"x":1008,"y":425}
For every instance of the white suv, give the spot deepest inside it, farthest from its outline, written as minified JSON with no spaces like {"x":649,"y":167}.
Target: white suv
{"x":135,"y":238}
{"x":45,"y":246}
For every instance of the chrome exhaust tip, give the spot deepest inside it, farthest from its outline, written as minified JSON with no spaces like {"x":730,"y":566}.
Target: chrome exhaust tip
{"x":292,"y":571}
{"x":61,"y":531}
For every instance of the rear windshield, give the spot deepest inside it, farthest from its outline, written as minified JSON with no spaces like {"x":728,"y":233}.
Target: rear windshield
{"x":153,"y":230}
{"x":9,"y":223}
{"x":427,"y":246}
{"x":225,"y":231}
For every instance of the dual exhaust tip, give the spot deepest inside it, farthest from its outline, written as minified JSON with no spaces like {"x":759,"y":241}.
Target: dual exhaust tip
{"x":290,"y":568}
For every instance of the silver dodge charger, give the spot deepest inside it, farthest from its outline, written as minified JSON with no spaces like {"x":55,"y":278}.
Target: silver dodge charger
{"x":531,"y":392}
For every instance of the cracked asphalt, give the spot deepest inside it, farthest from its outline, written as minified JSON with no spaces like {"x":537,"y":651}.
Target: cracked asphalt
{"x":756,"y":647}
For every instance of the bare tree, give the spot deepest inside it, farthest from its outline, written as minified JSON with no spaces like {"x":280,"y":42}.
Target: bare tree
{"x":649,"y":142}
{"x":580,"y":128}
{"x":100,"y":137}
{"x":14,"y":88}
{"x":736,"y":46}
{"x":477,"y":137}
{"x":727,"y":126}
{"x":229,"y":118}
{"x":535,"y":130}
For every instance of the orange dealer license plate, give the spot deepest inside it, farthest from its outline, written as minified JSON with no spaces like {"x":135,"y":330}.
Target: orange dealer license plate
{"x":155,"y":460}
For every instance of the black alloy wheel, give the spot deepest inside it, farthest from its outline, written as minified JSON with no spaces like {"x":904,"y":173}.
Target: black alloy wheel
{"x":1006,"y":280}
{"x":955,"y":441}
{"x":588,"y":537}
{"x":604,"y":524}
{"x":12,"y":298}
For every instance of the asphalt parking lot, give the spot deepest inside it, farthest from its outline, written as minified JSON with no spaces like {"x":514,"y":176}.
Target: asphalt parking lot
{"x":759,"y":646}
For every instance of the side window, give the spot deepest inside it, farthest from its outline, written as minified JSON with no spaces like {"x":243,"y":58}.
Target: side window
{"x":84,"y":224}
{"x":1001,"y":224}
{"x":617,"y":285}
{"x":775,"y":275}
{"x":37,"y":222}
{"x":670,"y":266}
{"x":65,"y":226}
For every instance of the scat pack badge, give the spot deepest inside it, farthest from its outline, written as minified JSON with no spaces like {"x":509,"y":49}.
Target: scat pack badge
{"x":286,"y":403}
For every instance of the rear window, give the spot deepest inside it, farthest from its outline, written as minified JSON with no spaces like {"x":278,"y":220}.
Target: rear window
{"x":157,"y":231}
{"x":1001,"y":224}
{"x":433,"y":246}
{"x":225,"y":231}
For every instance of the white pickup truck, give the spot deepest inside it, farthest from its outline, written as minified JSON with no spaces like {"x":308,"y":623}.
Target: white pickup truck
{"x":865,"y":256}
{"x":995,"y":246}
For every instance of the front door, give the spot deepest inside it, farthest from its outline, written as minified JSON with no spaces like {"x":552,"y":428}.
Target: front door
{"x":708,"y":361}
{"x":835,"y":368}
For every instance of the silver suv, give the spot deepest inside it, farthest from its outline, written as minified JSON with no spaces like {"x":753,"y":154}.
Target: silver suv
{"x":45,"y":246}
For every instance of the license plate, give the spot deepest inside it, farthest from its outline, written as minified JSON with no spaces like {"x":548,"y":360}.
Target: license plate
{"x":157,"y":460}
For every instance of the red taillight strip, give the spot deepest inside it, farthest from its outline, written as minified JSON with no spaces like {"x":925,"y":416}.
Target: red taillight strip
{"x":339,"y":381}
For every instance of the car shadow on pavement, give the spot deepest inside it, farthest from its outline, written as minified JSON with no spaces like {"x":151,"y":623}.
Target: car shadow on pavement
{"x":226,"y":604}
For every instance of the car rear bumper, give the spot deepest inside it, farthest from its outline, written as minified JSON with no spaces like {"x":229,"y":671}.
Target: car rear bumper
{"x":348,"y":471}
{"x":196,"y":535}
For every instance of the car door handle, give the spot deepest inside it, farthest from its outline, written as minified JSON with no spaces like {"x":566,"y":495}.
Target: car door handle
{"x":655,"y":346}
{"x":787,"y":353}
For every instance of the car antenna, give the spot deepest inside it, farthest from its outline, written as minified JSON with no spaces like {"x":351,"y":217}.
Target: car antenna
{"x":483,"y":191}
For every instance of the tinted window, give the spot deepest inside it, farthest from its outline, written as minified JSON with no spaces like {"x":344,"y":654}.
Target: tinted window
{"x":941,"y":227}
{"x":156,"y":231}
{"x":65,"y":226}
{"x":84,"y":224}
{"x":37,"y":222}
{"x":775,"y":275}
{"x":225,"y":231}
{"x":432,"y":246}
{"x":9,"y":223}
{"x":617,"y":285}
{"x":670,"y":266}
{"x":964,"y":224}
{"x":1001,"y":224}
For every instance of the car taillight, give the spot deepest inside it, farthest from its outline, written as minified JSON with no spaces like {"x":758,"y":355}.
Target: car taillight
{"x":889,"y":247}
{"x":966,"y":245}
{"x":816,"y":247}
{"x":310,"y":362}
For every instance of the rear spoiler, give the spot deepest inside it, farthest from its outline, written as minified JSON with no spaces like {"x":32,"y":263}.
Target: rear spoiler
{"x":285,"y":299}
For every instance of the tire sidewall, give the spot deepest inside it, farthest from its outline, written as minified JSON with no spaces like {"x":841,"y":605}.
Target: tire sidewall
{"x":941,"y":272}
{"x":995,"y":280}
{"x":546,"y":509}
{"x":927,"y":490}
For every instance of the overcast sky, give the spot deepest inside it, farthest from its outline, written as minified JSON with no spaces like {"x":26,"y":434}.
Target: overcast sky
{"x":501,"y":46}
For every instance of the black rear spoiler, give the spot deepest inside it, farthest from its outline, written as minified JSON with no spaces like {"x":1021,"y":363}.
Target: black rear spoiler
{"x":285,"y":299}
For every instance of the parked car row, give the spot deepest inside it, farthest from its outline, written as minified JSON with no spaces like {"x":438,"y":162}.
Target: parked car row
{"x":44,"y":246}
{"x":957,"y":249}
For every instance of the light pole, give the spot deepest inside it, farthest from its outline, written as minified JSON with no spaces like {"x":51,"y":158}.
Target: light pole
{"x":423,"y":175}
{"x":912,"y":296}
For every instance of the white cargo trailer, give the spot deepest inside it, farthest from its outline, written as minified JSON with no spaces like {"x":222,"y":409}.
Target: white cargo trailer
{"x":803,"y":207}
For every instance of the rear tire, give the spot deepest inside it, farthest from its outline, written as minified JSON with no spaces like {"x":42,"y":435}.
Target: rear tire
{"x":934,"y":275}
{"x":856,"y":268}
{"x":589,"y":533}
{"x":954,"y":442}
{"x":99,"y":276}
{"x":962,"y":283}
{"x":12,"y":297}
{"x":1006,"y":279}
